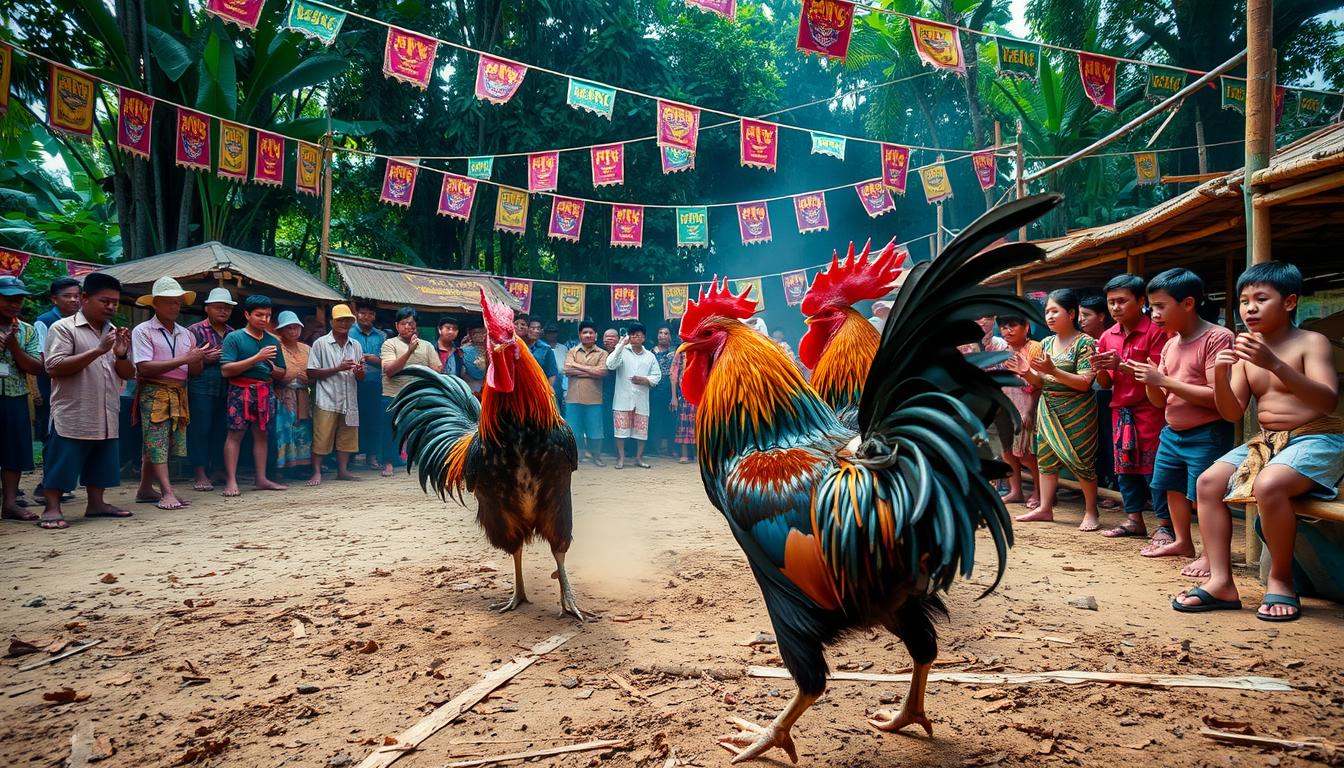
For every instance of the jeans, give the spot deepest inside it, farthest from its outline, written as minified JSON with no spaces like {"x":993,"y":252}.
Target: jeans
{"x":372,"y":423}
{"x":1135,"y":491}
{"x":586,"y":421}
{"x":389,"y":451}
{"x":206,"y":430}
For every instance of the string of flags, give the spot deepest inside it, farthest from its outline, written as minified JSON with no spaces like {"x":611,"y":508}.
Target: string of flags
{"x":14,"y":261}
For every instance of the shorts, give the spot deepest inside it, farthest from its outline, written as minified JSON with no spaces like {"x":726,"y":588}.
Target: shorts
{"x":68,"y":463}
{"x":585,"y":420}
{"x":1182,"y":456}
{"x":1319,"y":458}
{"x":16,"y":452}
{"x":243,"y":409}
{"x":630,"y":424}
{"x":330,"y":428}
{"x":163,"y":439}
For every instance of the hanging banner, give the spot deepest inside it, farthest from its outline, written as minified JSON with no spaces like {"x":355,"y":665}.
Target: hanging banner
{"x":759,"y":144}
{"x":308,"y":169}
{"x":624,"y":302}
{"x":678,"y":125}
{"x":231,"y":164}
{"x":591,"y":97}
{"x":693,"y":227}
{"x":795,"y":287}
{"x":498,"y":79}
{"x":522,"y":291}
{"x":676,"y":159}
{"x":627,"y":226}
{"x":1280,"y":96}
{"x":12,"y":262}
{"x":1233,"y":93}
{"x":1018,"y":58}
{"x":674,"y":301}
{"x":753,"y":223}
{"x":937,"y":187}
{"x":135,"y":114}
{"x":193,"y":139}
{"x":70,"y":103}
{"x":895,"y":167}
{"x":244,"y":13}
{"x":826,"y":144}
{"x":809,"y":209}
{"x":480,"y":167}
{"x":875,"y":196}
{"x":1145,"y":167}
{"x":986,"y":172}
{"x":409,"y":57}
{"x":269,"y":168}
{"x":938,"y":45}
{"x":608,"y":164}
{"x":757,"y":294}
{"x":316,"y":21}
{"x":456,"y":196}
{"x":569,"y":301}
{"x":511,"y":211}
{"x":1308,"y":102}
{"x":1098,"y":75}
{"x":6,"y":74}
{"x":1163,"y":83}
{"x":399,"y":182}
{"x":78,"y":269}
{"x":824,"y":27}
{"x":543,"y":171}
{"x":566,"y":219}
{"x":725,"y":8}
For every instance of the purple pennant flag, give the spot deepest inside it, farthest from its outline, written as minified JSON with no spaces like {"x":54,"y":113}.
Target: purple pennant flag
{"x":809,"y":209}
{"x":753,"y":222}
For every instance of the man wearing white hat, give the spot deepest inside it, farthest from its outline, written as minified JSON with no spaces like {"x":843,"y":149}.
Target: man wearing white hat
{"x":165,"y":353}
{"x":206,"y":394}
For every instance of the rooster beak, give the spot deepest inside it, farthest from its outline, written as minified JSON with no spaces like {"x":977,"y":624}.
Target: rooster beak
{"x":685,"y":345}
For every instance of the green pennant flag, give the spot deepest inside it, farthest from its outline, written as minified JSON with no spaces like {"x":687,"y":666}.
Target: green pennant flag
{"x":693,"y":227}
{"x":592,"y":97}
{"x":1233,"y":93}
{"x":826,"y":144}
{"x":1018,"y":58}
{"x":1164,"y":82}
{"x":316,"y":21}
{"x":1310,"y":103}
{"x":480,"y":167}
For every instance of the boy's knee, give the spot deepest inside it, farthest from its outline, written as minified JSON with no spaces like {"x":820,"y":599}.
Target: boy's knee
{"x":1212,"y":483}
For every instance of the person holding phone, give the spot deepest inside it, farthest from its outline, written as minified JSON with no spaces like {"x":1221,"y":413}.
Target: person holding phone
{"x":636,"y":372}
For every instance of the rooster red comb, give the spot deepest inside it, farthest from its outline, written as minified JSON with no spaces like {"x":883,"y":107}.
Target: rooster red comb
{"x":855,"y":279}
{"x":498,"y":318}
{"x":718,"y":302}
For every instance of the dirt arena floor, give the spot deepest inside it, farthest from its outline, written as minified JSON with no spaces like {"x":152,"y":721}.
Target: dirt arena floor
{"x":312,"y":627}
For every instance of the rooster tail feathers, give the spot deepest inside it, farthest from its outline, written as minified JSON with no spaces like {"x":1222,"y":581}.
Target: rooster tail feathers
{"x":436,"y":417}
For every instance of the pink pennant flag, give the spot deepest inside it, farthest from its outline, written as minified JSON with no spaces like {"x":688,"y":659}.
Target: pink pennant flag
{"x":608,"y":163}
{"x":985,"y":163}
{"x":875,"y":196}
{"x":135,"y":113}
{"x":399,"y":183}
{"x":760,"y":144}
{"x":193,"y":139}
{"x":627,"y":226}
{"x":522,"y":291}
{"x":809,"y":209}
{"x":269,"y":169}
{"x":566,"y":219}
{"x":625,"y":302}
{"x":78,"y":269}
{"x":244,"y":13}
{"x":12,"y":262}
{"x":1098,"y":75}
{"x":824,"y":28}
{"x":456,"y":196}
{"x":498,"y":79}
{"x":678,"y":125}
{"x":543,"y":171}
{"x":725,"y":8}
{"x":895,"y":167}
{"x":753,"y":222}
{"x":409,"y":57}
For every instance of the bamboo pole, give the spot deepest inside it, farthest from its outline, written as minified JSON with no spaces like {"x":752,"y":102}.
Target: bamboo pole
{"x":1259,"y":121}
{"x":1199,"y":140}
{"x":1021,"y":184}
{"x":1319,"y":184}
{"x":326,"y":206}
{"x":938,"y":241}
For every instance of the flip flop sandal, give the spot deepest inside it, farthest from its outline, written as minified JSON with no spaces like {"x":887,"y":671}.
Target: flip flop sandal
{"x":26,"y":517}
{"x":1206,"y":603}
{"x":642,"y":465}
{"x":147,"y":499}
{"x":1123,"y":531}
{"x":1273,"y":599}
{"x":113,"y":513}
{"x":598,"y":462}
{"x":55,"y":524}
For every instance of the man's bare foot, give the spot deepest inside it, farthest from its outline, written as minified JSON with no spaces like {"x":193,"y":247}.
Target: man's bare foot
{"x":1033,"y":502}
{"x":1198,"y":569}
{"x":1037,"y":516}
{"x":387,"y":470}
{"x":348,"y":476}
{"x":1173,"y":549}
{"x":105,"y":510}
{"x":231,"y":490}
{"x":1091,"y":522}
{"x":315,"y":480}
{"x":270,"y":485}
{"x":170,"y":502}
{"x":1013,"y":498}
{"x":15,"y":512}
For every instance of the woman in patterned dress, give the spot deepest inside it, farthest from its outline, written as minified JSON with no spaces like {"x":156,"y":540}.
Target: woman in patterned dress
{"x":293,"y":415}
{"x":685,"y":411}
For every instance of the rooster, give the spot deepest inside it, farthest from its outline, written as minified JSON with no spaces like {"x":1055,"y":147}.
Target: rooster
{"x":846,"y":531}
{"x":840,"y":343}
{"x":511,"y":450}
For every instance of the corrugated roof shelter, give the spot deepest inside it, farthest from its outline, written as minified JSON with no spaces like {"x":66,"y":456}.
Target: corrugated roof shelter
{"x":399,"y":285}
{"x":202,"y":267}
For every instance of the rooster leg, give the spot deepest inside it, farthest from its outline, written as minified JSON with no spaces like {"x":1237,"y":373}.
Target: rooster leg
{"x":912,"y":709}
{"x":568,"y":605}
{"x":519,"y":594}
{"x":751,"y":741}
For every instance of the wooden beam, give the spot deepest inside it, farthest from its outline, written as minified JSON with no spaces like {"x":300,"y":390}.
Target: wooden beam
{"x":1259,"y":122}
{"x":1192,"y":177}
{"x":1298,"y":191}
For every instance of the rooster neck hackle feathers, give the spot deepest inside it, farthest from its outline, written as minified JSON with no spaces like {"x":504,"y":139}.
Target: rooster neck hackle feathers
{"x":531,"y":403}
{"x":842,"y":368}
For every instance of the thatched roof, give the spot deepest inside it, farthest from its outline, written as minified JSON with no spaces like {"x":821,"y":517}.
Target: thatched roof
{"x":202,"y":267}
{"x":398,"y":285}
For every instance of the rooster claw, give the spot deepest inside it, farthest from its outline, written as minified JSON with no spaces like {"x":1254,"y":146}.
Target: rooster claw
{"x":892,"y":722}
{"x":752,"y":741}
{"x":568,"y":607}
{"x":513,"y":603}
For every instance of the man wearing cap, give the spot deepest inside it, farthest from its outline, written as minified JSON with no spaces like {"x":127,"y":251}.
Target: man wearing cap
{"x":206,"y":393}
{"x":250,"y":360}
{"x":19,"y":357}
{"x":406,"y":348}
{"x":880,"y":311}
{"x":336,"y":364}
{"x":165,"y":353}
{"x":370,"y":340}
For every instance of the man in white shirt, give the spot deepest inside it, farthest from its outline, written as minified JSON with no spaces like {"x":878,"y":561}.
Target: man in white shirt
{"x":880,"y":311}
{"x":336,"y":364}
{"x":636,"y":372}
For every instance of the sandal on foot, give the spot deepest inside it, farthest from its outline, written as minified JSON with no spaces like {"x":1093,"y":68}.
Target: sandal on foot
{"x":109,"y":512}
{"x":147,"y":499}
{"x":1123,"y":530}
{"x":598,"y":462}
{"x":52,"y":523}
{"x":642,"y":465}
{"x":1273,"y":599}
{"x":1206,"y":603}
{"x":170,"y":507}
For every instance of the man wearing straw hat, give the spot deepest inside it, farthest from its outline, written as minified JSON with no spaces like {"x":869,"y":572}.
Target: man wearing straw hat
{"x":165,"y":354}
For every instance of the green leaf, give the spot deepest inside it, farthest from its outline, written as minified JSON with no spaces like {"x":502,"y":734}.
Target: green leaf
{"x":312,"y":71}
{"x":170,"y":54}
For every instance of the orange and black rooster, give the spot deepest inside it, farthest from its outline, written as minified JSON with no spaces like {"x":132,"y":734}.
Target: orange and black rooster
{"x":512,"y":450}
{"x":844,"y":531}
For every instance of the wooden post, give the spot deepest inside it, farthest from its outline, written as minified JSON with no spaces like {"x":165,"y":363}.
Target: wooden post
{"x":1199,"y":140}
{"x":326,"y":206}
{"x":1021,"y":285}
{"x":1021,"y":185}
{"x":938,"y":240}
{"x":1259,"y":121}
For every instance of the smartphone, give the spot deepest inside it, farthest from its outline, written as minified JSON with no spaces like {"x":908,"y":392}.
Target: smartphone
{"x":621,"y":331}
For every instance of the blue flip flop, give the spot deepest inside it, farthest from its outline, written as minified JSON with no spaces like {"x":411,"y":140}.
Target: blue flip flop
{"x":1273,"y":599}
{"x":1206,"y":603}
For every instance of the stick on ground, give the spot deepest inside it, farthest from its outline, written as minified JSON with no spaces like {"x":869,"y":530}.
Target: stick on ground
{"x":584,"y":747}
{"x":1262,"y":741}
{"x":52,"y":660}
{"x":1066,"y":676}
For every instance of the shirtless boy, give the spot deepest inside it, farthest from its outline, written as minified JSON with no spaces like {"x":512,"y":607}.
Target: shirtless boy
{"x":1299,"y":452}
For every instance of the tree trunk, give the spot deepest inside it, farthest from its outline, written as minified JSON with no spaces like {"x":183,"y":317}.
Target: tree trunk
{"x":184,"y":209}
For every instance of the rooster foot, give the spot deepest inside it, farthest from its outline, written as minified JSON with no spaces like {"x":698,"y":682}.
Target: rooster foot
{"x":751,"y":741}
{"x":892,"y":722}
{"x":513,"y":603}
{"x":570,"y":607}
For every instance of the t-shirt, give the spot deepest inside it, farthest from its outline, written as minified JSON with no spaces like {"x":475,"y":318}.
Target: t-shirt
{"x":210,"y":382}
{"x":1143,"y":344}
{"x":582,"y":389}
{"x":1191,"y":362}
{"x":372,"y":344}
{"x":425,"y":354}
{"x":14,"y":382}
{"x":151,"y":342}
{"x":241,"y":345}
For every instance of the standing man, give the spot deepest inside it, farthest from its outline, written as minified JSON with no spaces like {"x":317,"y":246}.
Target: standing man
{"x":64,"y":303}
{"x":543,"y":353}
{"x":586,"y":367}
{"x":551,"y":335}
{"x":206,"y":394}
{"x":609,"y":339}
{"x":19,"y":357}
{"x":881,"y":309}
{"x":636,"y":372}
{"x":87,"y":358}
{"x":370,"y":341}
{"x":336,"y":364}
{"x":406,"y":348}
{"x":450,"y":356}
{"x":475,"y":359}
{"x":251,"y":359}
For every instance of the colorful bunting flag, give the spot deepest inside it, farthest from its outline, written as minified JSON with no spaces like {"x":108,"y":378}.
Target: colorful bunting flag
{"x":316,"y":21}
{"x":757,"y":294}
{"x":12,"y":262}
{"x":399,"y":182}
{"x":231,"y":165}
{"x":753,"y":222}
{"x":759,"y":144}
{"x":70,"y":103}
{"x":244,"y":13}
{"x":308,"y":171}
{"x":543,"y":171}
{"x":78,"y":269}
{"x":498,"y":79}
{"x":826,"y":144}
{"x":1146,"y":168}
{"x":627,"y":226}
{"x":1163,"y":83}
{"x":193,"y":139}
{"x":456,"y":196}
{"x":1098,"y":75}
{"x":480,"y":167}
{"x":1233,"y":93}
{"x":725,"y":8}
{"x":937,"y":187}
{"x":795,"y":286}
{"x":1280,"y":96}
{"x":676,"y":159}
{"x":409,"y":57}
{"x":521,"y":291}
{"x":1018,"y":58}
{"x":1308,"y":102}
{"x":608,"y":163}
{"x":875,"y":196}
{"x":693,"y":227}
{"x":675,"y":298}
{"x":566,"y":219}
{"x":895,"y":167}
{"x":511,"y":211}
{"x":569,"y":301}
{"x":591,"y":97}
{"x":985,"y":163}
{"x":625,"y":302}
{"x":269,"y":169}
{"x":678,"y":125}
{"x":809,"y":209}
{"x":938,"y":45}
{"x":6,"y":74}
{"x":135,"y":118}
{"x":824,"y":28}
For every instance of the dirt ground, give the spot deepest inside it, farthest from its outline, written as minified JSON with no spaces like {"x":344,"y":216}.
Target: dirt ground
{"x":200,"y":611}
